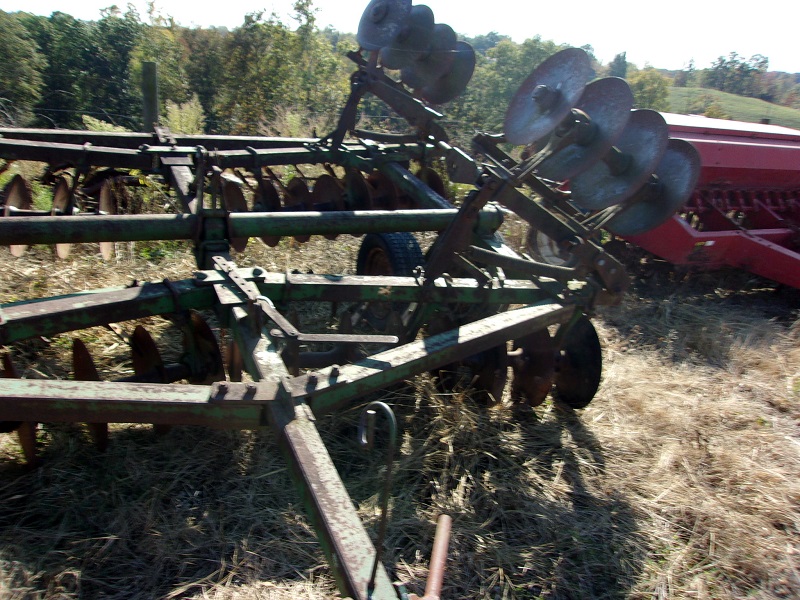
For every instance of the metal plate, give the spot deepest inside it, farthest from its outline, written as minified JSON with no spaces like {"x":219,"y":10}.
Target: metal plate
{"x":677,"y":175}
{"x":547,"y":96}
{"x":455,"y":81}
{"x":608,"y":103}
{"x":579,"y":365}
{"x":63,"y":204}
{"x":533,"y":362}
{"x":643,"y":142}
{"x":381,"y":21}
{"x":412,"y":41}
{"x":434,"y":63}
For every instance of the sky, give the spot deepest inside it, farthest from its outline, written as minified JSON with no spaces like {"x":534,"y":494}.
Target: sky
{"x":667,"y":36}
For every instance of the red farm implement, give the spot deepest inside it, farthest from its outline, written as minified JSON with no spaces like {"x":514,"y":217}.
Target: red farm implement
{"x":745,"y":210}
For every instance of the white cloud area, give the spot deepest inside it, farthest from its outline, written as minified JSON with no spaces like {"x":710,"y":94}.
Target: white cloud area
{"x":664,"y":35}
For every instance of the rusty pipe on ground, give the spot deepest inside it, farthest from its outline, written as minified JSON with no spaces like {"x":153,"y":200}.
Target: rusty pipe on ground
{"x":441,"y":542}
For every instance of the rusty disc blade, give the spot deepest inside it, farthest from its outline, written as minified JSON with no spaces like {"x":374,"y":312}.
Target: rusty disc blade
{"x":17,"y":195}
{"x":381,"y":21}
{"x":267,"y":199}
{"x":677,"y":175}
{"x":579,"y":365}
{"x":533,"y":363}
{"x":641,"y":146}
{"x":358,"y":194}
{"x":453,"y":83}
{"x":433,"y":180}
{"x":327,"y":195}
{"x":547,"y":96}
{"x":202,"y":353}
{"x":607,"y":102}
{"x":9,"y":372}
{"x":107,"y":205}
{"x":63,"y":205}
{"x":145,"y":356}
{"x":384,"y":192}
{"x":84,"y":369}
{"x":235,"y":361}
{"x":298,"y":197}
{"x":234,"y":201}
{"x":83,"y":366}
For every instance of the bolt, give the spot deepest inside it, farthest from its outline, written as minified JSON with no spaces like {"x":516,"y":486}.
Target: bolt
{"x":250,"y":387}
{"x":335,"y":371}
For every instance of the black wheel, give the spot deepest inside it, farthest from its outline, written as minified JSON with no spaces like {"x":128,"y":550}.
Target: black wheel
{"x":579,"y":365}
{"x":389,"y":254}
{"x":392,"y":254}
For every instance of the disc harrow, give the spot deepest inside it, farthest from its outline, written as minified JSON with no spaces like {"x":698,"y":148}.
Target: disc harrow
{"x":471,"y":304}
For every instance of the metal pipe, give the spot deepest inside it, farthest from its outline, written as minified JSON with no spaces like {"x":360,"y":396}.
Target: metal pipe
{"x":120,"y":228}
{"x":441,"y":543}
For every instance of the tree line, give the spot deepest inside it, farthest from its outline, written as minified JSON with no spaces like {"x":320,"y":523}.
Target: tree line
{"x":270,"y":77}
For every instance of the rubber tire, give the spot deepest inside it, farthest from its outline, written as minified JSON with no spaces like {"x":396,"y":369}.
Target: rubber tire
{"x":387,"y":254}
{"x":400,"y":251}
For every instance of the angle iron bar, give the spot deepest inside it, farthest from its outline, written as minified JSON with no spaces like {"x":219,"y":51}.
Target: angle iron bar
{"x":24,"y":320}
{"x":49,"y":401}
{"x":408,"y":184}
{"x":331,"y":388}
{"x":27,"y":319}
{"x":346,"y":544}
{"x":85,"y":155}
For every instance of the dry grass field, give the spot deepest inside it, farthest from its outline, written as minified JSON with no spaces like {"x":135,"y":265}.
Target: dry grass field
{"x":680,"y":480}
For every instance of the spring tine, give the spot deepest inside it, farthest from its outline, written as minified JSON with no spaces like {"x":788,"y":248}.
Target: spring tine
{"x":366,"y":438}
{"x":84,"y":369}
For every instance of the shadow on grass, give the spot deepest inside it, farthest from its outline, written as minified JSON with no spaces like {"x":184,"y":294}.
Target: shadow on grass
{"x":198,"y":510}
{"x":153,"y":517}
{"x":533,"y":516}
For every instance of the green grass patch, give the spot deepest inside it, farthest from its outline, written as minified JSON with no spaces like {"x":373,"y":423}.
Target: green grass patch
{"x":739,"y":108}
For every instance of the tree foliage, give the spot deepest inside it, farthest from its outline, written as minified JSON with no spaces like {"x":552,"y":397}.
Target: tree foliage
{"x":21,"y":69}
{"x":269,"y":76}
{"x":736,"y":75}
{"x":650,"y":89}
{"x":618,"y":67}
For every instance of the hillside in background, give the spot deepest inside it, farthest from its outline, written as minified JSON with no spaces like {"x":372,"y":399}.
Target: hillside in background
{"x":695,"y":100}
